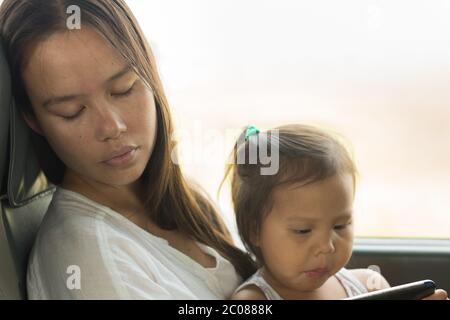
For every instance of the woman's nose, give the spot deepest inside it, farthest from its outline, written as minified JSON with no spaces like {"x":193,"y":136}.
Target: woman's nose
{"x":109,"y":124}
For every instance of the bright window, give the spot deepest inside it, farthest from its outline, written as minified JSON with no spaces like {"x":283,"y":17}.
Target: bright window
{"x":376,"y":71}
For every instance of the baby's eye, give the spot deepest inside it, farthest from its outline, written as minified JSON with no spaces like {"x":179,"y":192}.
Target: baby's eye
{"x":302,"y":231}
{"x":341,"y":226}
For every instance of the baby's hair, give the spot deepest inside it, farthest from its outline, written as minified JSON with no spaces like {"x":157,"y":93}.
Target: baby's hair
{"x":306,"y":154}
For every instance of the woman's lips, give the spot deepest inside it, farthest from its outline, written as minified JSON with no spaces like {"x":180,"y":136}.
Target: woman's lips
{"x":122,"y":160}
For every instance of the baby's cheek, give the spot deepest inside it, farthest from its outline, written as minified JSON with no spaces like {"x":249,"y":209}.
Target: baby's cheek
{"x":345,"y":251}
{"x":280,"y":257}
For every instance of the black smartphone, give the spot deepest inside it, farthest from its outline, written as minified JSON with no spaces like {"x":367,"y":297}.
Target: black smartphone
{"x":410,"y":291}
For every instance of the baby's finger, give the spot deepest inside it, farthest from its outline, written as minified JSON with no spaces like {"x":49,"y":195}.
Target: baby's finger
{"x":439,"y":294}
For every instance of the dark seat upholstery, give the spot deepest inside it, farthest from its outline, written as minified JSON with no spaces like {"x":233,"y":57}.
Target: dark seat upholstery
{"x":25,"y":192}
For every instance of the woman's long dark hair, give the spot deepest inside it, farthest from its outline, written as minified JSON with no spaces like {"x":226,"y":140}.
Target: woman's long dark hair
{"x":174,"y":203}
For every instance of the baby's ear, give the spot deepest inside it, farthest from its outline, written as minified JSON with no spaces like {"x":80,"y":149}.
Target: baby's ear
{"x":32,"y":122}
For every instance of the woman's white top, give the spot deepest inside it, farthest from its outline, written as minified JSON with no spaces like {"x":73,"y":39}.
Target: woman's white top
{"x":84,"y":250}
{"x":351,"y":284}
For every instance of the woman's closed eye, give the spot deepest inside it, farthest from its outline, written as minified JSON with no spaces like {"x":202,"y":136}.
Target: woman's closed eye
{"x":118,"y":95}
{"x":124,"y":94}
{"x":70,"y":118}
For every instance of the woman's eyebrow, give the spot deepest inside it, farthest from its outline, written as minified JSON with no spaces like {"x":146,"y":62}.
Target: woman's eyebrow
{"x":56,"y":100}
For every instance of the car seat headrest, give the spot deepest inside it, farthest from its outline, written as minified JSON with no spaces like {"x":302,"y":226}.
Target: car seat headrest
{"x":5,"y":101}
{"x":25,"y":178}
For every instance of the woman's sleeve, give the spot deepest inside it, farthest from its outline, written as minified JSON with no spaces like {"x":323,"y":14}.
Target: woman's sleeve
{"x":90,"y":263}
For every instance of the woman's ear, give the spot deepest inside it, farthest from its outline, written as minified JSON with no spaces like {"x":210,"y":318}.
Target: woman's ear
{"x":32,"y":122}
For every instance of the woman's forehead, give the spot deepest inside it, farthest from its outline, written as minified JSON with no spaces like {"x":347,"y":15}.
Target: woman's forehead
{"x":69,"y":63}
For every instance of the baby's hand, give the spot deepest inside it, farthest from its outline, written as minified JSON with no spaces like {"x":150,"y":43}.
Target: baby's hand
{"x":439,"y":294}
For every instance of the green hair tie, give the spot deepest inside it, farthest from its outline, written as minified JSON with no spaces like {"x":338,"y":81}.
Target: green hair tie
{"x":251,"y":130}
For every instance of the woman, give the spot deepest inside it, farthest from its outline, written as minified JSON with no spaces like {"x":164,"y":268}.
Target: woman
{"x":123,"y":222}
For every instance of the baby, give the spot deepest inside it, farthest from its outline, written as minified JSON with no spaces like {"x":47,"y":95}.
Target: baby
{"x":297,"y":220}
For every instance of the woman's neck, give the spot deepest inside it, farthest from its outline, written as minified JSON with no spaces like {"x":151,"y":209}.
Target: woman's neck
{"x":129,"y":198}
